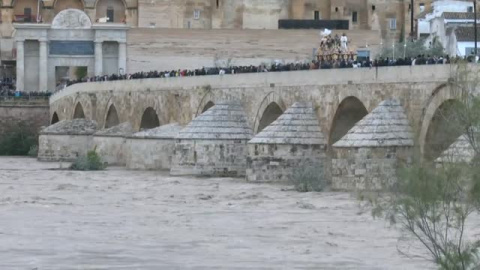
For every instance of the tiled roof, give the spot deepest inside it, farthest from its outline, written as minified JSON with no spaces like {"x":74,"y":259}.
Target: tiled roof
{"x":169,"y":131}
{"x":466,"y":33}
{"x":459,"y":15}
{"x":423,"y":14}
{"x":297,"y":125}
{"x":387,"y":125}
{"x":72,"y":127}
{"x":121,"y":130}
{"x":460,"y":151}
{"x":224,"y":121}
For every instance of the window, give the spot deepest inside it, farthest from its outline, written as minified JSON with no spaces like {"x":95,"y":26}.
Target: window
{"x":316,"y":15}
{"x":110,"y":14}
{"x":336,"y":9}
{"x":422,"y":7}
{"x":470,"y":9}
{"x":469,"y":51}
{"x":196,"y":14}
{"x":393,"y":23}
{"x":373,"y":7}
{"x":218,"y":3}
{"x":354,"y":17}
{"x":27,"y":13}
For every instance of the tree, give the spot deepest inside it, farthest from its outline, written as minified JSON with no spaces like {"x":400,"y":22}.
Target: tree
{"x":412,"y":49}
{"x":433,"y":201}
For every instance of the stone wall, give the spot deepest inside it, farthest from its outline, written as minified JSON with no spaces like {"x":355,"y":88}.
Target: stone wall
{"x":367,"y":168}
{"x":31,"y":115}
{"x":221,"y":158}
{"x":278,"y":162}
{"x":111,"y":149}
{"x":149,"y":154}
{"x":63,"y":147}
{"x":167,"y":49}
{"x":420,"y":90}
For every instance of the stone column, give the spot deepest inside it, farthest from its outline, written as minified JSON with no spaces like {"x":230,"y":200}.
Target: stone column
{"x":98,"y":58}
{"x":122,"y":57}
{"x":20,"y":65}
{"x":43,"y":67}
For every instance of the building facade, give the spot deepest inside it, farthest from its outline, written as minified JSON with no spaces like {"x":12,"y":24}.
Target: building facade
{"x":391,"y":18}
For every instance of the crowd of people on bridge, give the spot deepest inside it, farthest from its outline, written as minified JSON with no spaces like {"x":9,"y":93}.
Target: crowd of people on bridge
{"x":7,"y":85}
{"x":7,"y":90}
{"x":274,"y":67}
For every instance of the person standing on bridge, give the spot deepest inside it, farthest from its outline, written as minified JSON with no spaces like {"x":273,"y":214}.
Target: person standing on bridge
{"x":344,"y":42}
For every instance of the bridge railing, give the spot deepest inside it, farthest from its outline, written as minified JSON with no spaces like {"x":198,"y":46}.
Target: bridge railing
{"x":317,"y":77}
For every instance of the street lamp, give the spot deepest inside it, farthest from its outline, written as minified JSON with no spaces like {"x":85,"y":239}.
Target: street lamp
{"x":411,"y":19}
{"x":475,"y":26}
{"x":393,"y":51}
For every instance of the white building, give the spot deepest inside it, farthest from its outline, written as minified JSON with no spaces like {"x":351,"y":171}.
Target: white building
{"x":461,"y":41}
{"x":438,"y":8}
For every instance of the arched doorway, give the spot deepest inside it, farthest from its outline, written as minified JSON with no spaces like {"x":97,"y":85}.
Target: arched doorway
{"x":25,"y":10}
{"x":78,"y":113}
{"x":114,"y":10}
{"x":208,"y":106}
{"x":271,"y":113}
{"x":54,"y":118}
{"x":445,"y":127}
{"x":111,"y":119}
{"x":60,"y":5}
{"x":349,"y":112}
{"x":149,"y":119}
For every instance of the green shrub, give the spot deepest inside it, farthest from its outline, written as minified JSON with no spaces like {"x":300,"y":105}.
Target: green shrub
{"x":309,"y":178}
{"x":91,"y":162}
{"x":18,"y":142}
{"x":33,"y":152}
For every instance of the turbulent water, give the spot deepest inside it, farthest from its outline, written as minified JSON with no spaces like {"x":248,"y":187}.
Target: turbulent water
{"x":118,"y":219}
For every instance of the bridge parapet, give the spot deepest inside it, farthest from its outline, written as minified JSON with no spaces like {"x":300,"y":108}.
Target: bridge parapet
{"x":397,"y":74}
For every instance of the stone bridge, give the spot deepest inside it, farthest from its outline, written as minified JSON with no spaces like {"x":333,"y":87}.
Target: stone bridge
{"x":341,"y":98}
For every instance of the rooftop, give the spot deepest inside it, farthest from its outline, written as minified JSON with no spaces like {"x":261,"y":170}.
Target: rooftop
{"x":224,"y":121}
{"x":72,"y":127}
{"x":168,"y":131}
{"x":121,"y":130}
{"x":297,"y":125}
{"x":386,"y":126}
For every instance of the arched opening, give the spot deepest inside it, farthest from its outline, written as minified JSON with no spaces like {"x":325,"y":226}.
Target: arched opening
{"x":112,"y":117}
{"x":60,"y":5}
{"x":445,"y":127}
{"x":349,"y":112}
{"x":25,"y":11}
{"x":112,"y":10}
{"x":271,"y":113}
{"x":149,"y":119}
{"x":208,"y":106}
{"x":78,"y":113}
{"x":54,"y":118}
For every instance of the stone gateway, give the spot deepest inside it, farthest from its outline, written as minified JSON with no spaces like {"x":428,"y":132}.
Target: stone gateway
{"x":71,"y":41}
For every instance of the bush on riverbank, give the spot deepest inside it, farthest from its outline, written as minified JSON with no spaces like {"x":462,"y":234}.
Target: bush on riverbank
{"x":309,"y":178}
{"x":91,"y":162}
{"x":18,"y":142}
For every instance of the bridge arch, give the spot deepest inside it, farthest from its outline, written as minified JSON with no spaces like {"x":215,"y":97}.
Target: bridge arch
{"x":270,"y":109}
{"x":78,"y":112}
{"x":111,"y":118}
{"x":442,"y":95}
{"x":54,"y":118}
{"x":348,"y":113}
{"x":149,"y":119}
{"x":444,"y":128}
{"x":208,"y":100}
{"x":207,"y":106}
